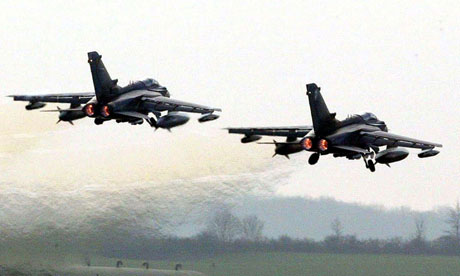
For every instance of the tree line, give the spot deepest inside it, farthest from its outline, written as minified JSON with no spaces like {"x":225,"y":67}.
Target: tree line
{"x":226,"y":233}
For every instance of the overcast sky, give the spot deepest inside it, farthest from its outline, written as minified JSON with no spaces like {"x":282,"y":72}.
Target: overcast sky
{"x":397,"y":59}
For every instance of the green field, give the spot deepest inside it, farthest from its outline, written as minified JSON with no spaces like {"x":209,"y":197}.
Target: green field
{"x":312,"y":264}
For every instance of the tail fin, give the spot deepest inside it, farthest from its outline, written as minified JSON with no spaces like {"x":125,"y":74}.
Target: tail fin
{"x":323,"y":121}
{"x":103,"y":84}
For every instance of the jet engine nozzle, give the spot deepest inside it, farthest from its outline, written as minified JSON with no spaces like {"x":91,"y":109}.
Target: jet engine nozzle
{"x":307,"y":143}
{"x":106,"y":111}
{"x":90,"y":109}
{"x":323,"y":145}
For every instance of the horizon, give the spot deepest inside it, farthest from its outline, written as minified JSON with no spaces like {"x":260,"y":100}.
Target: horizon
{"x":251,"y":61}
{"x":115,"y":198}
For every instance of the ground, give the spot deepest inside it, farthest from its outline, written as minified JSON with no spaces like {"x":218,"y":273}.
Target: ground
{"x":268,"y":264}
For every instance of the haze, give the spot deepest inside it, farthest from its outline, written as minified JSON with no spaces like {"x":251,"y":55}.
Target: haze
{"x":398,"y":60}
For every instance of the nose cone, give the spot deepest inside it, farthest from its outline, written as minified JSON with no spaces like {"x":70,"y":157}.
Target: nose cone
{"x":63,"y":116}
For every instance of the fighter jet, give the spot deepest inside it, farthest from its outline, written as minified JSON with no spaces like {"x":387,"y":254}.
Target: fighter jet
{"x":356,"y":137}
{"x":132,"y":103}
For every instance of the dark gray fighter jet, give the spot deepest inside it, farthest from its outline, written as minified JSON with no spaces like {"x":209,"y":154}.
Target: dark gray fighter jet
{"x":358,"y":136}
{"x":132,"y":103}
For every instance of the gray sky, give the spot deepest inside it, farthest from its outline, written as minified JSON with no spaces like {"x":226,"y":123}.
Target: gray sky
{"x":397,"y":59}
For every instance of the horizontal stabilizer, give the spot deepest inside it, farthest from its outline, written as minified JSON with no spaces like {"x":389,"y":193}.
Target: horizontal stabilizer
{"x":353,"y":149}
{"x":60,"y":110}
{"x":134,"y":114}
{"x":288,"y":131}
{"x":277,"y":143}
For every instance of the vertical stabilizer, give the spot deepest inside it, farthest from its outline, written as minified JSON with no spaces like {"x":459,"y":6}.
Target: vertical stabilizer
{"x":103,"y":84}
{"x":323,"y":121}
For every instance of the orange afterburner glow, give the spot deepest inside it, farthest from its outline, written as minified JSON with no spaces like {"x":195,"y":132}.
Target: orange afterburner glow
{"x":307,"y":144}
{"x":323,"y":145}
{"x":89,"y":110}
{"x":105,"y":111}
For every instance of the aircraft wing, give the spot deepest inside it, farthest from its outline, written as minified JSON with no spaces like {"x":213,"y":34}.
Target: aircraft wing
{"x":163,"y":103}
{"x":73,"y":98}
{"x":381,"y":138}
{"x":289,"y":131}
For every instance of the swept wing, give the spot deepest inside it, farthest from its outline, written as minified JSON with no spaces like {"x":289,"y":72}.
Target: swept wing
{"x":73,"y":98}
{"x":161,"y":103}
{"x":381,"y":138}
{"x":287,"y":131}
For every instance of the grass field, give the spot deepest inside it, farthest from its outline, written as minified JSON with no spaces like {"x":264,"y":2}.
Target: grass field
{"x":265,"y":264}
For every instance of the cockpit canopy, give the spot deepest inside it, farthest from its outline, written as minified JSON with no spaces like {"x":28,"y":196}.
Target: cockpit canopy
{"x":372,"y":120}
{"x":153,"y":85}
{"x":150,"y":82}
{"x":369,"y":117}
{"x":366,"y":118}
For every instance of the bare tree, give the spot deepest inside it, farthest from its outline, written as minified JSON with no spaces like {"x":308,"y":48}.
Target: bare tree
{"x":251,"y":228}
{"x":337,"y":228}
{"x":453,"y":220}
{"x":419,"y":229}
{"x":418,"y":244}
{"x":224,"y":226}
{"x":335,"y":241}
